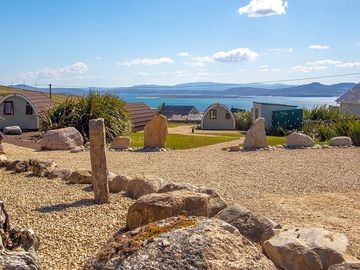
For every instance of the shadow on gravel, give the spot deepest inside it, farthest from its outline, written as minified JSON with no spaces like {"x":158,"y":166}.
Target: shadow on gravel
{"x":64,"y":206}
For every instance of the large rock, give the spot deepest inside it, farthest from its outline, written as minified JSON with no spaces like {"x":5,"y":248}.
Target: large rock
{"x":297,"y":139}
{"x":157,"y":206}
{"x":14,"y":130}
{"x":120,"y":143}
{"x":42,"y":168}
{"x":215,"y":204}
{"x":138,"y":187}
{"x":118,"y":183}
{"x":345,"y":266}
{"x":341,"y":141}
{"x":60,"y":173}
{"x":17,"y":246}
{"x":180,"y":243}
{"x":256,"y":136}
{"x":249,"y":224}
{"x":155,"y":132}
{"x":306,"y":249}
{"x":81,"y":177}
{"x":61,"y":139}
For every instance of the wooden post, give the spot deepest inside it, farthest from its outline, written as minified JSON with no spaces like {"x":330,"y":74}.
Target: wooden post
{"x":98,"y":160}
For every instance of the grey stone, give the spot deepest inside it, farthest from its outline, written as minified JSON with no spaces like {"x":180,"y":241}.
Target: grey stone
{"x":180,"y":243}
{"x":256,"y":136}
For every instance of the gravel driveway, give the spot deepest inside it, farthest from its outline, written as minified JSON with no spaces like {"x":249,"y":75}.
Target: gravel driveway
{"x":315,"y":187}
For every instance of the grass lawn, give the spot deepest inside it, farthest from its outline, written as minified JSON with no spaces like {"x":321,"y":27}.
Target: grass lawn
{"x":180,"y":142}
{"x":230,"y":135}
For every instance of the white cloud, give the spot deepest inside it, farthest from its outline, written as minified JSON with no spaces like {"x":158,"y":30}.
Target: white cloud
{"x":148,"y":61}
{"x":281,"y":50}
{"x":327,"y":62}
{"x":260,"y":8}
{"x":265,"y":68}
{"x":349,"y":65}
{"x":234,"y":55}
{"x":142,"y":74}
{"x":98,"y":57}
{"x":318,"y":47}
{"x":306,"y":69}
{"x":195,"y":64}
{"x":183,"y":54}
{"x":56,"y":73}
{"x":202,"y":59}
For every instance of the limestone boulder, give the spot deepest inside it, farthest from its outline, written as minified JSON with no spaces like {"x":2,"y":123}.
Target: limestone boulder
{"x":158,"y":206}
{"x":345,"y":266}
{"x":23,"y":166}
{"x":216,"y":202}
{"x":155,"y":132}
{"x":235,"y":148}
{"x":341,"y":141}
{"x":42,"y":168}
{"x":3,"y":159}
{"x":13,"y":130}
{"x":61,"y":174}
{"x":252,"y":226}
{"x":120,"y":143}
{"x":118,"y":183}
{"x":62,"y":139}
{"x":297,"y":139}
{"x":256,"y":136}
{"x":138,"y":187}
{"x":180,"y":243}
{"x":306,"y":248}
{"x":81,"y":177}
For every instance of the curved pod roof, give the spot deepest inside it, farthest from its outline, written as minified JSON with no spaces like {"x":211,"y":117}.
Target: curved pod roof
{"x":213,"y":106}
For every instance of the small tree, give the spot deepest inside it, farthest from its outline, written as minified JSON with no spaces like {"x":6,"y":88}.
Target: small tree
{"x":161,"y":108}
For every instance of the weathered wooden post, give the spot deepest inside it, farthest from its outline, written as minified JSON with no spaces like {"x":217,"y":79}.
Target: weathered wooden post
{"x":98,"y":160}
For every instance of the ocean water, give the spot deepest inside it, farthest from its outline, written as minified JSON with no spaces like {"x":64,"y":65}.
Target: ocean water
{"x":234,"y":102}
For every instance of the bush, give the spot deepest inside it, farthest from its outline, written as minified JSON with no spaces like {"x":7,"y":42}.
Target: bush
{"x":78,"y":113}
{"x":354,"y":132}
{"x":323,"y":113}
{"x":243,"y":120}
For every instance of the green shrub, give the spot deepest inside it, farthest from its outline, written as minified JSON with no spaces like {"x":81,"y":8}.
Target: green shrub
{"x":78,"y":113}
{"x":243,"y":120}
{"x":354,"y":132}
{"x":323,"y":113}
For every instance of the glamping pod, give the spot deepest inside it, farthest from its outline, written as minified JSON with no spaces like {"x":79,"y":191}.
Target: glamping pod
{"x":23,"y":109}
{"x":218,"y":117}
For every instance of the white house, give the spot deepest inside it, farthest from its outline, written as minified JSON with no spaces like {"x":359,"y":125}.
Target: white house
{"x":218,"y":117}
{"x":265,"y":110}
{"x":23,"y":109}
{"x":350,"y":101}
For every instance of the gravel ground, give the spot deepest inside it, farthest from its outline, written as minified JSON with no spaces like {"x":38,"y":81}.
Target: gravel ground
{"x":312,"y":187}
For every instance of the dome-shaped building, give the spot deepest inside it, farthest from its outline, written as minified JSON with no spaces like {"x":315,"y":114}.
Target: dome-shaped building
{"x":218,"y":117}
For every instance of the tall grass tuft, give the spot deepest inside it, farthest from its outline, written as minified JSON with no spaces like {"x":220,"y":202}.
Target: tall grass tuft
{"x":354,"y":132}
{"x":78,"y":112}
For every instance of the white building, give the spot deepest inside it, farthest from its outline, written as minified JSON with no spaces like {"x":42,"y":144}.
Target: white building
{"x":350,"y":101}
{"x":265,"y":110}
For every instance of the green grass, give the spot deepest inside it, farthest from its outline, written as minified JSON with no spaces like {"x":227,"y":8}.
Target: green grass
{"x":180,"y":142}
{"x":273,"y":140}
{"x":231,"y":135}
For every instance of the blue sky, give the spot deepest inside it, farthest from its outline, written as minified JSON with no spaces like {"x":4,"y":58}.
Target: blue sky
{"x":128,"y":42}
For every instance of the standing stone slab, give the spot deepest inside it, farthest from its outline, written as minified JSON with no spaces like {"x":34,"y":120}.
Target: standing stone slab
{"x":98,"y":160}
{"x":155,"y":132}
{"x":256,"y":136}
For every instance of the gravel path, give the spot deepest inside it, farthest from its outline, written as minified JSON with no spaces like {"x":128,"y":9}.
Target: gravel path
{"x":295,"y":187}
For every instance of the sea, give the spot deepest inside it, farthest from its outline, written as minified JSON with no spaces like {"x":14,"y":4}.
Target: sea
{"x":202,"y":103}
